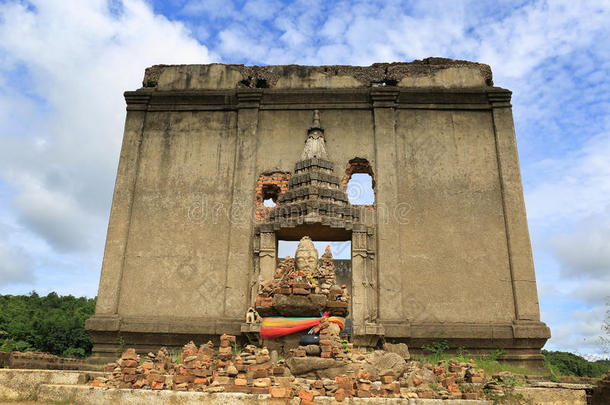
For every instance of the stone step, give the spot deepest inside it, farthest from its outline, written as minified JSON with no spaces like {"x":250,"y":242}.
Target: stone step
{"x":23,"y":384}
{"x":87,"y":395}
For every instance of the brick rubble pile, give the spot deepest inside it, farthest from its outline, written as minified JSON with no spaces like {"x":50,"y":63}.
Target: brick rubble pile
{"x":253,"y":371}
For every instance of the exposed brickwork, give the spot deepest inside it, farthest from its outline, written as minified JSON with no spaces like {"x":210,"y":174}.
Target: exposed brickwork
{"x":358,"y":165}
{"x":267,"y":184}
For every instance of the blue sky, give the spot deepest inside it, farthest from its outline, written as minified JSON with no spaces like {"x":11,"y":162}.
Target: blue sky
{"x":64,"y":66}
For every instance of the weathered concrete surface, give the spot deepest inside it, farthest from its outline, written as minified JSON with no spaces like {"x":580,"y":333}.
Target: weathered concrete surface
{"x":445,"y":252}
{"x":553,"y":396}
{"x":24,"y":384}
{"x":430,"y":72}
{"x":82,"y":395}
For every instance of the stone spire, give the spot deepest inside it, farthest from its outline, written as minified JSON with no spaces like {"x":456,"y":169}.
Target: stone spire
{"x":314,"y":193}
{"x":315,"y":142}
{"x":316,"y":122}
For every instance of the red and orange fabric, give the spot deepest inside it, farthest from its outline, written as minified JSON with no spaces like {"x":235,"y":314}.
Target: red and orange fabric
{"x":275,"y":327}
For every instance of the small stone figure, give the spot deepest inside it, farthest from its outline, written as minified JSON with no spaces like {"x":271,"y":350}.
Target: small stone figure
{"x":252,"y":316}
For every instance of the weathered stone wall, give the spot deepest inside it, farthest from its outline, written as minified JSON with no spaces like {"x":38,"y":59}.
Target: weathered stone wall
{"x":40,"y":361}
{"x":448,"y":240}
{"x":343,"y":272}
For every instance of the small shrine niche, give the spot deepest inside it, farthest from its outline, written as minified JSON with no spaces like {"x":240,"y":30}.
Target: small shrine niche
{"x":303,"y":287}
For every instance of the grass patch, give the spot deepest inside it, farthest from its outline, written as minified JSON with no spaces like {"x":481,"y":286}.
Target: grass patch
{"x":494,"y":366}
{"x":489,"y":364}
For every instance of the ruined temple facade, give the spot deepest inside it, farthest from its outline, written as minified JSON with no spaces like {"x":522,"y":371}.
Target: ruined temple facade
{"x":443,"y":253}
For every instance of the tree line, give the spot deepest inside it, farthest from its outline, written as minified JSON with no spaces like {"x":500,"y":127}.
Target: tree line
{"x":565,"y":363}
{"x":52,"y":324}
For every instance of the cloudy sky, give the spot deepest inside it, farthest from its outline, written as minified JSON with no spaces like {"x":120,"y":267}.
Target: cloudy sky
{"x":64,"y":65}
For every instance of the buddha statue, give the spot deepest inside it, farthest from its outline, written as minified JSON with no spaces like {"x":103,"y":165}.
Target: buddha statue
{"x":306,"y":256}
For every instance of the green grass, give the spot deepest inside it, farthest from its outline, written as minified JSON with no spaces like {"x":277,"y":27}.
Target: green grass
{"x":176,"y":357}
{"x":489,"y":364}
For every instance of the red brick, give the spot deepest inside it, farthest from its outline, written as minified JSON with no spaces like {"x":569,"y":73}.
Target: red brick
{"x":200,"y":380}
{"x":129,"y":370}
{"x":453,"y":388}
{"x":363,"y":375}
{"x":448,"y":381}
{"x":156,"y":385}
{"x":387,"y":379}
{"x":279,"y":392}
{"x":308,"y":396}
{"x":181,"y":379}
{"x":340,"y":395}
{"x":129,"y":377}
{"x":363,"y":394}
{"x":241,"y":382}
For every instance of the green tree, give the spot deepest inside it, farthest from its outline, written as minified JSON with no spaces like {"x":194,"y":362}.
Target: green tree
{"x":571,"y":364}
{"x":53,"y":324}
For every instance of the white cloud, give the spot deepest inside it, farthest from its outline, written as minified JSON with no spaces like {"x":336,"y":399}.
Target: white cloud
{"x":569,"y":213}
{"x":586,"y":250}
{"x":261,"y":9}
{"x":64,"y":66}
{"x":578,"y":185}
{"x":211,"y":8}
{"x":580,"y":332}
{"x":14,"y":265}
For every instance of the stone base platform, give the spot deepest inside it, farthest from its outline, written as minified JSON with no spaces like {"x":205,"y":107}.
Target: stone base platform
{"x":84,"y":395}
{"x":59,"y":386}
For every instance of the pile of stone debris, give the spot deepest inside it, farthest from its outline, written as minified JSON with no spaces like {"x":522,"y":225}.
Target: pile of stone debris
{"x":330,"y":343}
{"x":254,"y":370}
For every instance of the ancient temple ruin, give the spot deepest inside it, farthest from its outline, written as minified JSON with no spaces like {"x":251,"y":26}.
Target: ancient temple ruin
{"x":443,"y":253}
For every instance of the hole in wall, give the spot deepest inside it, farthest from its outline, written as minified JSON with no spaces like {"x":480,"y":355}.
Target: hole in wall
{"x":360,"y":189}
{"x":269,"y":188}
{"x":390,"y":82}
{"x":261,"y":84}
{"x":359,"y":182}
{"x":271,"y":193}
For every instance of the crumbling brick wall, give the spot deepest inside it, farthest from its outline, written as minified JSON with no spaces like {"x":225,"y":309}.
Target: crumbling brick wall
{"x":269,"y":185}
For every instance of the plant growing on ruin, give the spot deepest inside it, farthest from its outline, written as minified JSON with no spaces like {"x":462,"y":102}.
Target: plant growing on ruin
{"x":435,"y":386}
{"x":121,"y":345}
{"x":437,"y":349}
{"x":495,"y":354}
{"x":516,"y":381}
{"x":462,"y":355}
{"x":237,"y":349}
{"x":176,"y":358}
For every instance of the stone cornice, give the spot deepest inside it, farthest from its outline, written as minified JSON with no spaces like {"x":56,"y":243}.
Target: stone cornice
{"x":307,"y":99}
